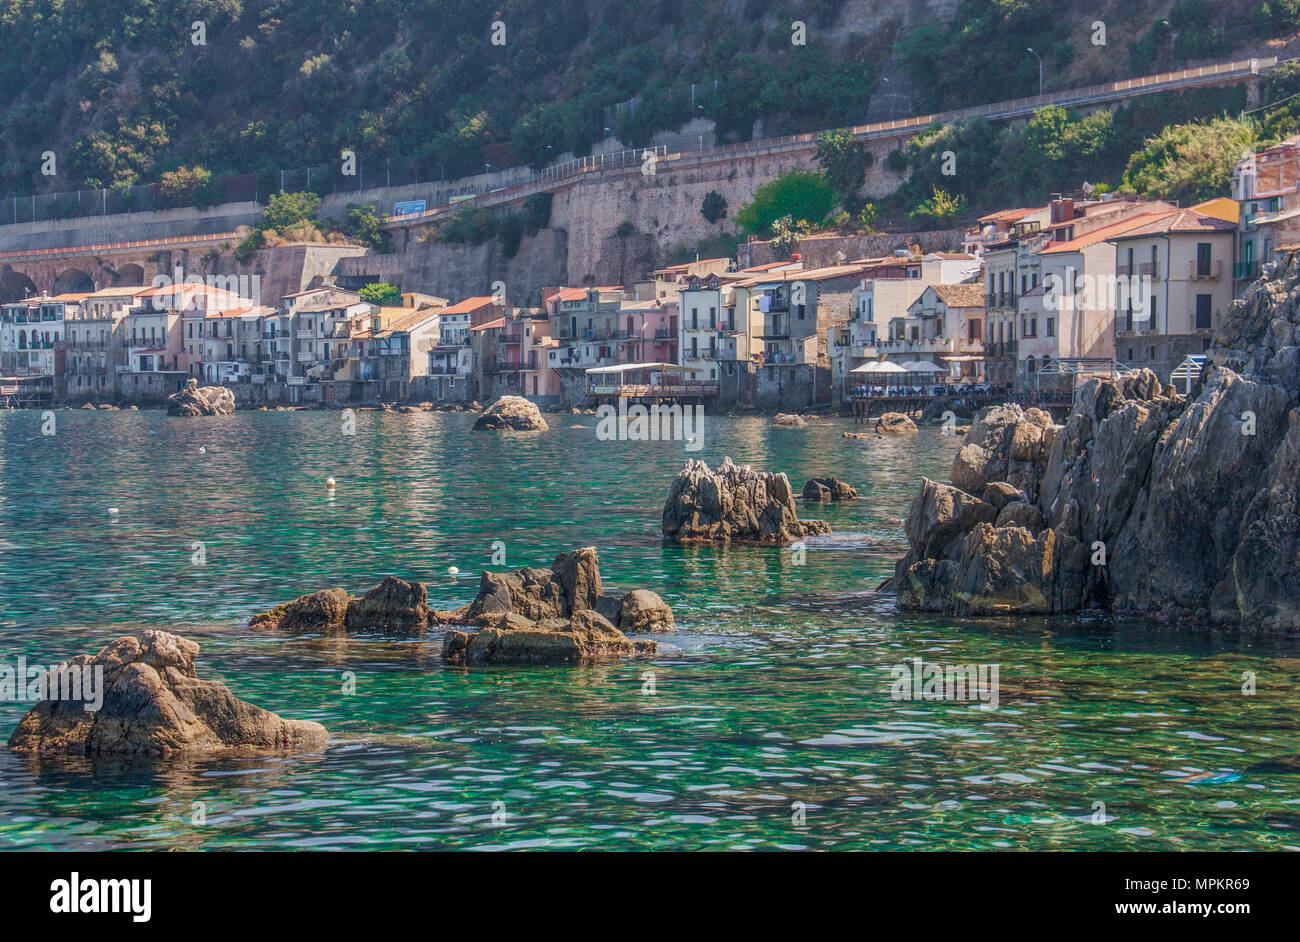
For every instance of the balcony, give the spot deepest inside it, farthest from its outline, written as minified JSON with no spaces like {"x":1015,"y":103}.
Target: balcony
{"x":923,"y":345}
{"x":664,"y":333}
{"x":306,"y":356}
{"x":305,"y":334}
{"x":1209,"y":272}
{"x":1149,"y":270}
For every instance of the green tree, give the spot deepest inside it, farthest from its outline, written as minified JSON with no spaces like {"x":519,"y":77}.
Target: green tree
{"x":537,"y":211}
{"x":844,"y":161}
{"x":381,"y":293}
{"x":178,"y":187}
{"x":1189,"y":162}
{"x":362,"y":224}
{"x":785,"y":237}
{"x":287,"y":210}
{"x":714,"y":206}
{"x":796,"y":193}
{"x":941,"y":208}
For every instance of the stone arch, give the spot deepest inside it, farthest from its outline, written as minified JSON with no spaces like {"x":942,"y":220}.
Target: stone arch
{"x":15,"y":285}
{"x":73,"y":281}
{"x":316,"y":282}
{"x":129,"y":275}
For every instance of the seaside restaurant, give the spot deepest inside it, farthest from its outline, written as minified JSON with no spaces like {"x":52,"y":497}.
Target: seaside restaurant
{"x":657,"y":381}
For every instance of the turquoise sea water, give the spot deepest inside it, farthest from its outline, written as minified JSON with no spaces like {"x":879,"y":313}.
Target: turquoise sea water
{"x":770,"y":725}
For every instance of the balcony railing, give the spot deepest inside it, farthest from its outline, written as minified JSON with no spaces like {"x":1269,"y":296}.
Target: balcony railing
{"x":1212,"y":271}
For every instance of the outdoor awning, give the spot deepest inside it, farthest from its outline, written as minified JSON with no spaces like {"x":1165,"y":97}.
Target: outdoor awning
{"x":878,"y":366}
{"x":962,"y":358}
{"x":923,"y":366}
{"x":627,"y":367}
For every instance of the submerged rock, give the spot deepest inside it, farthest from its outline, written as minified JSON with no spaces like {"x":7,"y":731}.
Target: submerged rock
{"x":789,"y":420}
{"x":733,"y":504}
{"x":154,"y":704}
{"x":319,"y":611}
{"x":511,"y":414}
{"x":194,"y":400}
{"x":1142,"y":502}
{"x":828,"y":489}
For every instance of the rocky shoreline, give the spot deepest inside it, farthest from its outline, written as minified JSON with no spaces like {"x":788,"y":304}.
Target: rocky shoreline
{"x":1142,"y":502}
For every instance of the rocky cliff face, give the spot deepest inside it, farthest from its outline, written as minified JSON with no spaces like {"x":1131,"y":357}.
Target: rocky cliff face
{"x":1142,"y":502}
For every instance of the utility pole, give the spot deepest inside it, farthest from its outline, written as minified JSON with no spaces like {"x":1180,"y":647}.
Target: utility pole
{"x":1040,"y":71}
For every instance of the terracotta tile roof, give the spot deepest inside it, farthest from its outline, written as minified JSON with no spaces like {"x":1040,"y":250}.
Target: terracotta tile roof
{"x":469,"y":305}
{"x":499,"y":322}
{"x":960,"y":295}
{"x":1103,"y":233}
{"x":410,"y":321}
{"x":1182,"y":220}
{"x":71,"y":297}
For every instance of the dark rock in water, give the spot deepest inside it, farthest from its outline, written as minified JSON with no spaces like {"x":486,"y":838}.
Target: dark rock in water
{"x":733,"y":504}
{"x":394,"y":605}
{"x":1149,"y":503}
{"x":562,"y":613}
{"x":643,"y":610}
{"x":514,"y":640}
{"x":894,"y":423}
{"x":556,"y":614}
{"x":154,"y":704}
{"x":194,"y":400}
{"x":319,"y":611}
{"x":828,"y":489}
{"x":511,"y":414}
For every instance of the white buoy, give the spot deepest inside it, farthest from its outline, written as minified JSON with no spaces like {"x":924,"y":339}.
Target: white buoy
{"x":329,"y":484}
{"x":453,"y":571}
{"x":112,"y":511}
{"x":203,"y":449}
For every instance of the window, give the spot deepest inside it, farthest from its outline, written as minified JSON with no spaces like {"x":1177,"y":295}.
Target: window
{"x":1203,"y":311}
{"x":1051,"y":327}
{"x":1203,"y":259}
{"x":1154,"y":311}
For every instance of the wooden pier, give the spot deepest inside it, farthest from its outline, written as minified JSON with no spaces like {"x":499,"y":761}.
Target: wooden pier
{"x":26,"y":392}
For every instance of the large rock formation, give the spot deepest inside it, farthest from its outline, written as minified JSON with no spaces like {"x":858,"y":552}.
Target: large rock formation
{"x":154,"y":704}
{"x":733,"y":504}
{"x":194,"y":400}
{"x":558,"y":614}
{"x":828,"y":489}
{"x":511,"y":414}
{"x":1142,"y":502}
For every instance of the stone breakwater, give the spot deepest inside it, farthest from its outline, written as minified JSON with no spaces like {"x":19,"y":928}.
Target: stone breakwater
{"x":1142,"y":502}
{"x":154,"y":704}
{"x":733,"y":505}
{"x":560,"y":614}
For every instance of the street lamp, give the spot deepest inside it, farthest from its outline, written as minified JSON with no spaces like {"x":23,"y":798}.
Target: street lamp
{"x":1040,"y":71}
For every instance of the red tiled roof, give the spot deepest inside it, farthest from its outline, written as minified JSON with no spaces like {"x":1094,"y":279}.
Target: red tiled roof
{"x":499,"y":322}
{"x":1103,"y":233}
{"x":470,"y":305}
{"x":1182,"y":220}
{"x":960,"y":295}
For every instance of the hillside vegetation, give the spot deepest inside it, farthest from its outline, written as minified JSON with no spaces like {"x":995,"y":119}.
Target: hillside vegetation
{"x":183,"y":93}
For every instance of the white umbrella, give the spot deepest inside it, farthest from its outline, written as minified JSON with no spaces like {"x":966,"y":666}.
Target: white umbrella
{"x":878,"y":366}
{"x":922,"y":366}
